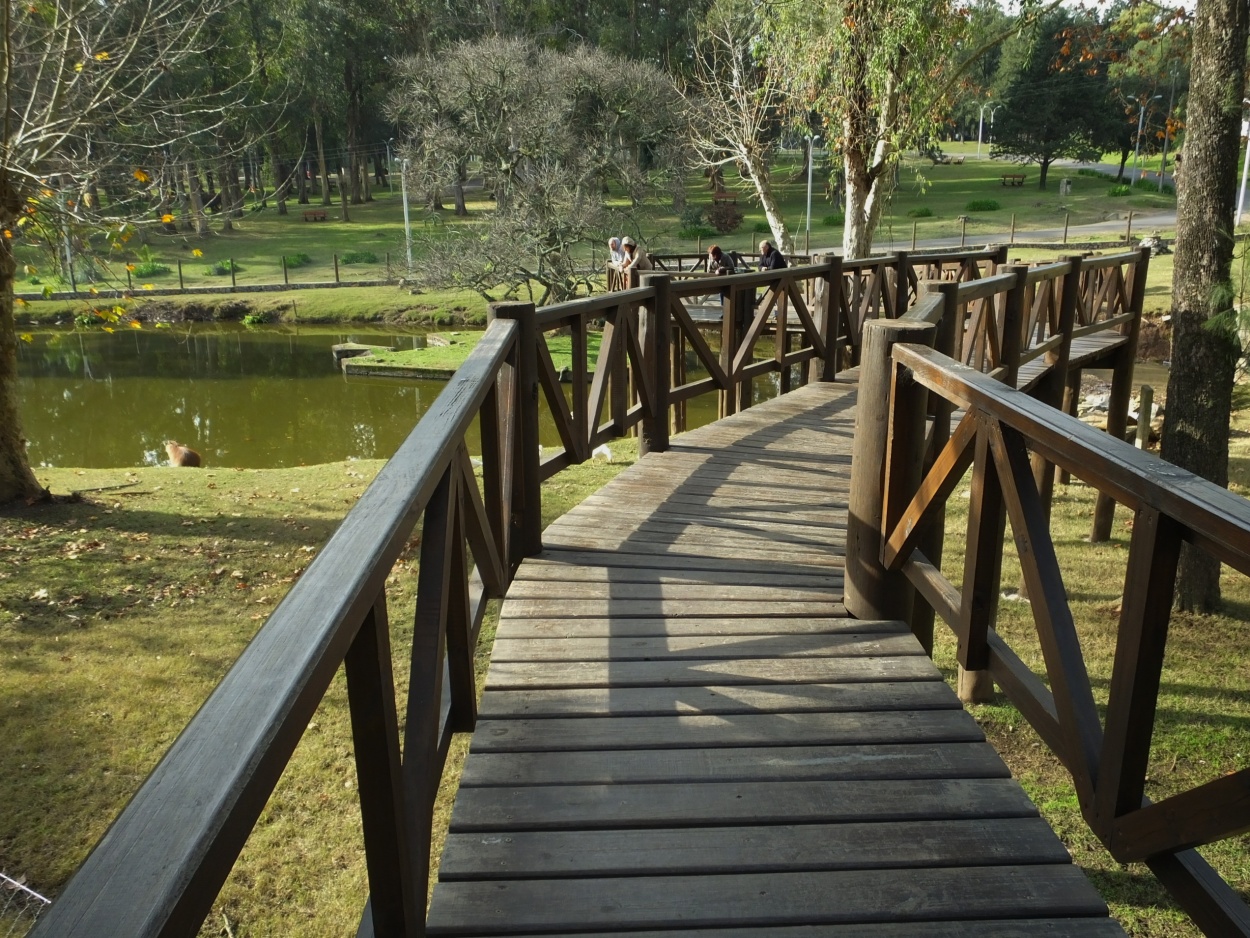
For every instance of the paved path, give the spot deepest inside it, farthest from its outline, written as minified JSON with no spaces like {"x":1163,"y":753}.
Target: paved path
{"x":684,"y":734}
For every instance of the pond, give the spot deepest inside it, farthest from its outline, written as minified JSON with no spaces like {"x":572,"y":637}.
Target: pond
{"x":251,"y":397}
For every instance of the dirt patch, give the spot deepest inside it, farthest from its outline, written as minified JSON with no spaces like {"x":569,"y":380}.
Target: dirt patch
{"x":1155,"y":341}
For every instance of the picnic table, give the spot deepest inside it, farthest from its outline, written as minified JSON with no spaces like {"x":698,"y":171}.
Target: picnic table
{"x":315,"y":214}
{"x":1013,"y":179}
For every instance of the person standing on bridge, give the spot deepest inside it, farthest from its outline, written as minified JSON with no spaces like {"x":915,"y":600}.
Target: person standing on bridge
{"x":770,"y":257}
{"x":616,"y":257}
{"x":635,"y":257}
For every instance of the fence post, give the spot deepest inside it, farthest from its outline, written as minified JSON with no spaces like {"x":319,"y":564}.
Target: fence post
{"x":1067,"y":217}
{"x":1128,"y":229}
{"x":286,"y":279}
{"x":872,"y":592}
{"x":181,"y":286}
{"x":827,"y":289}
{"x":1013,"y":229}
{"x":336,"y":268}
{"x":526,"y":522}
{"x":657,"y":336}
{"x":1122,"y":386}
{"x":233,"y":282}
{"x":963,"y":230}
{"x":130,"y":285}
{"x":913,"y":235}
{"x":1145,"y":411}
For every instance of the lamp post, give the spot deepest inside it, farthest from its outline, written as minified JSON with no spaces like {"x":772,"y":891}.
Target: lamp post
{"x":1141,"y":117}
{"x":811,"y":158}
{"x":403,"y":184}
{"x":1245,"y":167}
{"x":981,"y":123}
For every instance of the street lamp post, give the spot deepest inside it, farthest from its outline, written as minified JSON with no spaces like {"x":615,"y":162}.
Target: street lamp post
{"x":1141,"y":117}
{"x":811,"y":158}
{"x":981,"y":122}
{"x":403,"y":184}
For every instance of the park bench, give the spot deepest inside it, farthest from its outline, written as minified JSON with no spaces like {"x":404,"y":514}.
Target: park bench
{"x":1013,"y":179}
{"x":315,"y":214}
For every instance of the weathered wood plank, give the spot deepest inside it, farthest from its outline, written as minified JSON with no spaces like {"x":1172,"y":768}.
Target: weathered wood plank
{"x":1002,"y":928}
{"x":673,"y":562}
{"x":537,"y":576}
{"x":723,"y":593}
{"x":603,"y":807}
{"x":746,"y":764}
{"x":615,"y":648}
{"x":597,"y":608}
{"x":747,"y":900}
{"x":711,"y":731}
{"x":787,"y":847}
{"x":712,"y":625}
{"x":505,"y":675}
{"x":653,"y":701}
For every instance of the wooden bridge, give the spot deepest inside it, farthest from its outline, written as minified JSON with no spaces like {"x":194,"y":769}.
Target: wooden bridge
{"x":710,"y":712}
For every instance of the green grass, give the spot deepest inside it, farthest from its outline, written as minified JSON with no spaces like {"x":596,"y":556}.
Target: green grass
{"x":120,"y":613}
{"x":451,"y":356}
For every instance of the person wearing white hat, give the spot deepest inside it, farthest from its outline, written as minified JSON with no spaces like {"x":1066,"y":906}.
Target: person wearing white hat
{"x":635,"y":257}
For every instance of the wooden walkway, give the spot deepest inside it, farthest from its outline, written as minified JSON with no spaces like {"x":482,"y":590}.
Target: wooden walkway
{"x":683,"y":734}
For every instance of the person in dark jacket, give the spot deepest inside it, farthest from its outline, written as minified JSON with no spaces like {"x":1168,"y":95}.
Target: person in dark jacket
{"x":718,"y":262}
{"x":770,"y":257}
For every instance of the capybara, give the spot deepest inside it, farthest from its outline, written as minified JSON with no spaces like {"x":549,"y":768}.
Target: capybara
{"x":180,"y":455}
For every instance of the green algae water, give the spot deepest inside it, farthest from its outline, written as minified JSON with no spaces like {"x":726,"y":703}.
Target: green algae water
{"x":248,"y":397}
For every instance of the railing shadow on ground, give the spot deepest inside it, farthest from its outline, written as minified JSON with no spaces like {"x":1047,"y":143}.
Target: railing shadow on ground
{"x":160,"y":866}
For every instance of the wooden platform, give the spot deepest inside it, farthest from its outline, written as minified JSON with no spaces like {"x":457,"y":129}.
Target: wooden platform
{"x":683,"y":734}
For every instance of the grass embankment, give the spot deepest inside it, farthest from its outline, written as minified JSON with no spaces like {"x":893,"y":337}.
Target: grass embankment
{"x":118,"y":616}
{"x":439,"y":360}
{"x":933,"y":197}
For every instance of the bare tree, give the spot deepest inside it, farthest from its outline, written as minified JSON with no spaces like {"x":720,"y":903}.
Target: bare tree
{"x":736,"y":102}
{"x":82,"y":77}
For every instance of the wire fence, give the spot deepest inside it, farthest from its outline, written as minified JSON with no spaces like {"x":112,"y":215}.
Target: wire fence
{"x":20,"y":907}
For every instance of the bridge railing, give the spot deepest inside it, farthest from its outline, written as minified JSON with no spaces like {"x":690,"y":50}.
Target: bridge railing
{"x":158,"y":869}
{"x":894,"y":570}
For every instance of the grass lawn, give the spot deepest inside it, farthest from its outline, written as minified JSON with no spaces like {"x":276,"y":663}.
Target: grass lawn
{"x":451,"y":356}
{"x":119,"y":614}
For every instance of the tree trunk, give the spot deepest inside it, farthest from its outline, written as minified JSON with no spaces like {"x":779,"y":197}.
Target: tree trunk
{"x":1205,"y":347}
{"x":1041,"y":178}
{"x":362,"y":170}
{"x":281,"y":180}
{"x":458,"y":189}
{"x":863,"y":206}
{"x":226,"y":224}
{"x":344,"y":190}
{"x":16,"y":479}
{"x":760,"y":178}
{"x":198,"y":221}
{"x":321,"y":160}
{"x":1124,"y":155}
{"x":301,"y":181}
{"x":236,"y":193}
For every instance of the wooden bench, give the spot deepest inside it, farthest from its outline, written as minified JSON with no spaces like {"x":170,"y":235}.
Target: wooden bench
{"x":1013,"y":179}
{"x":315,"y":214}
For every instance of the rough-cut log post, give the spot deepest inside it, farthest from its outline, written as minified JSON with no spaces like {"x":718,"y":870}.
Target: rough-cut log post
{"x":871,"y":591}
{"x":1122,"y":388}
{"x":526,"y":521}
{"x":657,"y":332}
{"x":902,"y":286}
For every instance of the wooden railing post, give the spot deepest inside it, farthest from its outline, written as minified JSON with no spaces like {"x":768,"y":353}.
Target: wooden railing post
{"x":526,"y":522}
{"x":902,"y":286}
{"x":871,"y":591}
{"x":827,"y":291}
{"x":1122,"y":388}
{"x":1053,"y":385}
{"x":393,"y":907}
{"x":1012,"y":342}
{"x":657,"y":339}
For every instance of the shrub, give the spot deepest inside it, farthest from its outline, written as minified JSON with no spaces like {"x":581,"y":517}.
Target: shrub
{"x":1116,"y":191}
{"x":837,"y":218}
{"x":725,"y":217}
{"x":690,"y":234}
{"x":297,"y":260}
{"x":762,"y":227}
{"x":150,"y":269}
{"x":1092,"y":173}
{"x":983,"y":205}
{"x":691,"y":217}
{"x":1152,"y":186}
{"x":255,"y":319}
{"x":923,"y":212}
{"x":222,"y":268}
{"x":358,"y":257}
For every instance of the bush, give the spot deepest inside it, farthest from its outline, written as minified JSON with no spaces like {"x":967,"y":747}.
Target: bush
{"x":358,"y":257}
{"x":983,"y":205}
{"x":1117,"y":191}
{"x":690,"y":234}
{"x":762,"y":227}
{"x":923,"y":212}
{"x":297,"y":260}
{"x":1152,"y":186}
{"x":691,"y":217}
{"x":725,"y":217}
{"x":837,"y":218}
{"x":222,"y":268}
{"x":1092,"y":173}
{"x":150,"y":269}
{"x":256,"y":319}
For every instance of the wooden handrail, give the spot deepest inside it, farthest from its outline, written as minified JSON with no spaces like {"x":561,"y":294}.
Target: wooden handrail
{"x":159,"y":867}
{"x":1001,"y":436}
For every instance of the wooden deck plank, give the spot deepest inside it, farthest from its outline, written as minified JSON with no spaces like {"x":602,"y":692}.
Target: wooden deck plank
{"x":656,"y":701}
{"x":762,"y":899}
{"x":684,"y":734}
{"x":786,"y":763}
{"x":716,"y":850}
